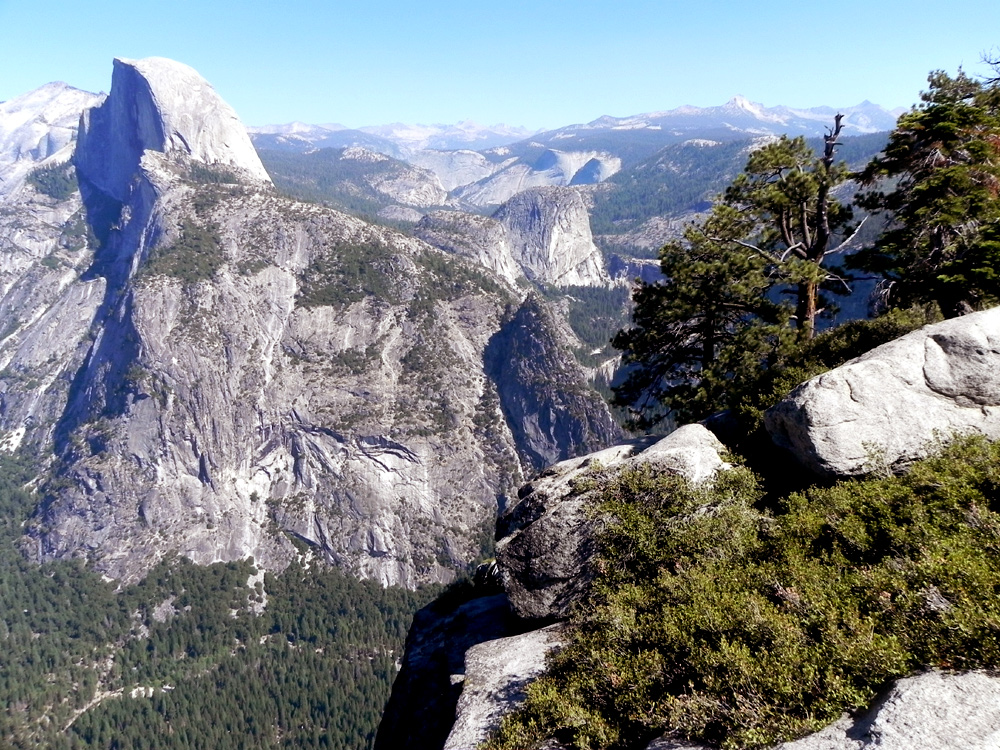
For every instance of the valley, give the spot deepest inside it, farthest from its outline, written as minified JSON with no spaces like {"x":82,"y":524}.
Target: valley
{"x":266,"y":393}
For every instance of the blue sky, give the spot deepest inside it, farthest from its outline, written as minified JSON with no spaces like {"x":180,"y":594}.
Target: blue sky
{"x":537,"y":63}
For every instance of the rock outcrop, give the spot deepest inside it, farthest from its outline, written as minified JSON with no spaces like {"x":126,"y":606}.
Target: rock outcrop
{"x":421,"y":710}
{"x":548,"y":230}
{"x":896,"y":403}
{"x":497,"y":674}
{"x":546,"y":540}
{"x":553,"y":167}
{"x":552,"y":412}
{"x":454,"y":168}
{"x":541,"y":234}
{"x":479,"y":238}
{"x":45,"y":248}
{"x":932,"y":711}
{"x":402,"y":182}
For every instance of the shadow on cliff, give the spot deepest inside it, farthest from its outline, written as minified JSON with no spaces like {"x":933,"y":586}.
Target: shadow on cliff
{"x":421,"y":709}
{"x":100,"y":386}
{"x":549,"y":407}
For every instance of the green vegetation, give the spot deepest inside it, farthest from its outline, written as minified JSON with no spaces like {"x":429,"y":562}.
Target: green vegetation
{"x":349,"y":272}
{"x":596,"y":313}
{"x":938,"y":180}
{"x":686,"y":176}
{"x":196,"y":255}
{"x":446,"y":278}
{"x":211,"y":174}
{"x":76,"y":233}
{"x":312,"y":668}
{"x":705,"y":333}
{"x":679,"y":178}
{"x":57,"y":181}
{"x":727,"y":617}
{"x":702,"y":333}
{"x":325,"y":177}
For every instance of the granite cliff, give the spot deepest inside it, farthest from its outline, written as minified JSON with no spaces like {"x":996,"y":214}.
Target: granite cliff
{"x":223,"y":372}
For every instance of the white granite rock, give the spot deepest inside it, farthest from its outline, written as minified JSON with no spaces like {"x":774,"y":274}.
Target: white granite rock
{"x":497,"y":674}
{"x":548,"y":231}
{"x":160,"y":105}
{"x":931,"y":711}
{"x":894,"y":404}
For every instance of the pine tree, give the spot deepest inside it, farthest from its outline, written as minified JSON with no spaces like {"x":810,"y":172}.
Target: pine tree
{"x":692,"y":329}
{"x":941,"y":169}
{"x":783,"y":199}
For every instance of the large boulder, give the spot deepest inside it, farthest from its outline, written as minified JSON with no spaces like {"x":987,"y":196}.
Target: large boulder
{"x":932,"y":711}
{"x":895,"y":403}
{"x":546,"y":540}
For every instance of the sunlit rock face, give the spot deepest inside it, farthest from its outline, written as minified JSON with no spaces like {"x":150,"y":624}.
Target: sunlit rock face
{"x":160,"y":105}
{"x":39,"y":128}
{"x":548,"y":231}
{"x":221,"y":372}
{"x":896,"y":403}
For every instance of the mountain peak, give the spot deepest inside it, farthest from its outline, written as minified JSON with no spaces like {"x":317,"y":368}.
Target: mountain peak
{"x":38,"y":125}
{"x":161,"y":105}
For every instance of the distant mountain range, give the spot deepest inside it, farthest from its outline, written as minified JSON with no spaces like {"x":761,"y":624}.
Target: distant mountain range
{"x":479,"y":168}
{"x":630,"y":138}
{"x":397,"y":139}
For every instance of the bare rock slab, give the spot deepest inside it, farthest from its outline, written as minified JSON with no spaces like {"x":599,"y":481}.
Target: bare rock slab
{"x":497,"y":674}
{"x":894,"y":404}
{"x":931,"y":711}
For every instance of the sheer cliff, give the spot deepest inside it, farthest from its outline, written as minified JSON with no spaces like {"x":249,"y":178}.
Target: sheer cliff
{"x":226,"y":373}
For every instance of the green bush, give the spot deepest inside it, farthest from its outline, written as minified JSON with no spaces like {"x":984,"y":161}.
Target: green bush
{"x":195,"y":256}
{"x":717,"y":622}
{"x":57,"y":181}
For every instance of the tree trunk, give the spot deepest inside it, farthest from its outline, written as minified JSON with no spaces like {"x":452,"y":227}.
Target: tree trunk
{"x":805,"y":312}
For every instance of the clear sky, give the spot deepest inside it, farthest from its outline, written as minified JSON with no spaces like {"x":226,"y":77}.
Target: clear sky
{"x":537,"y":63}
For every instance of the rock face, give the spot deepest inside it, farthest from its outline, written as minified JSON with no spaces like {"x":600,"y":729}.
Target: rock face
{"x":546,"y":540}
{"x":44,"y":249}
{"x":890,"y":406}
{"x":223,"y":371}
{"x":454,"y":168}
{"x":160,"y":105}
{"x":421,"y":709}
{"x":553,"y":167}
{"x":497,"y":674}
{"x":410,"y":185}
{"x":552,"y":412}
{"x":541,"y":234}
{"x":549,"y":234}
{"x":478,"y":238}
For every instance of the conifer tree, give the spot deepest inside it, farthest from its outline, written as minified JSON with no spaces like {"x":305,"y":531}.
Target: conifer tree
{"x":700,"y":328}
{"x":703,"y":334}
{"x":783,"y":198}
{"x":939,"y":181}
